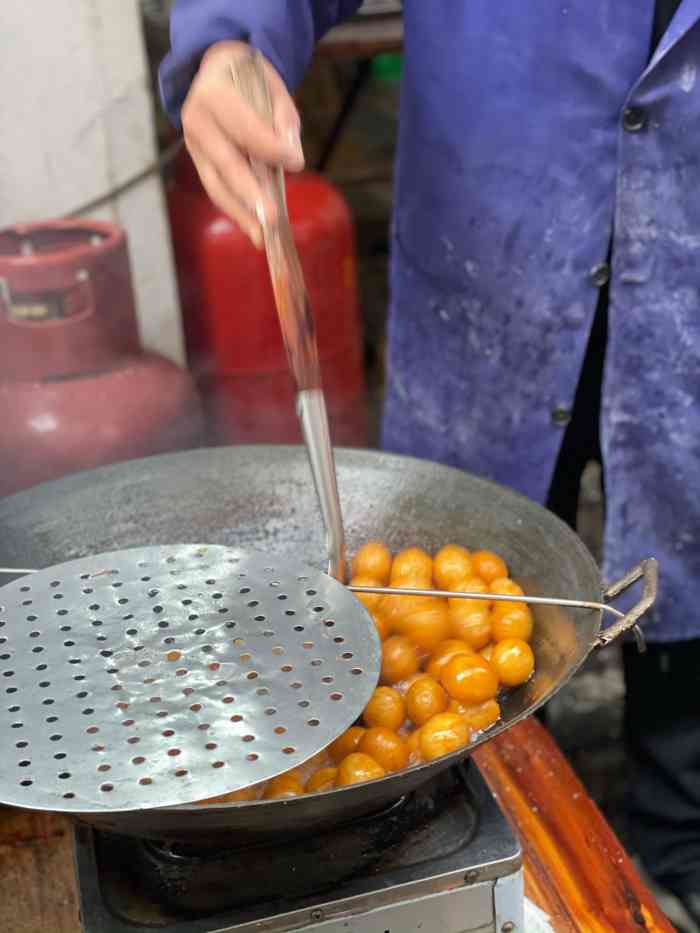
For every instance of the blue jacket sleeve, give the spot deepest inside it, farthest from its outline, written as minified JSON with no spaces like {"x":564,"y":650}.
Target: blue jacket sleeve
{"x":285,"y":31}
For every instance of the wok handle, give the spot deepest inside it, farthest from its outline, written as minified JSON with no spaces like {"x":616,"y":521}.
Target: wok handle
{"x":648,"y":571}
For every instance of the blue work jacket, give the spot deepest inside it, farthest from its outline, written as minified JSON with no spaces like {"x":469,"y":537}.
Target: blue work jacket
{"x":532,"y":135}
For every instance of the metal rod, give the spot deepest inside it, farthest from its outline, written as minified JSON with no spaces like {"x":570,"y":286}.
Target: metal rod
{"x":311,"y":407}
{"x":442,"y":594}
{"x":296,"y":320}
{"x":497,"y":597}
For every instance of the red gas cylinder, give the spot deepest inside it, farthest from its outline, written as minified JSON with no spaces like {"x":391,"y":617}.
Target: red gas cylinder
{"x":233,"y":335}
{"x":75,"y":389}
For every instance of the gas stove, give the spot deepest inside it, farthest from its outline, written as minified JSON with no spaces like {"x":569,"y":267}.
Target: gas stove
{"x":443,"y":859}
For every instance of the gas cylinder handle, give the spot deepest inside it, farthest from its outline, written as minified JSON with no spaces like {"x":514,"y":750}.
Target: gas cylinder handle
{"x":72,"y":299}
{"x":296,"y":320}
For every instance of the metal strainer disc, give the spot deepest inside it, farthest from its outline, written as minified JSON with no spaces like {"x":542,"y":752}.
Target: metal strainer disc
{"x":163,"y":675}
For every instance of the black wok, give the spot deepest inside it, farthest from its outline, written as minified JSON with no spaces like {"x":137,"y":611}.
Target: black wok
{"x":262,"y":497}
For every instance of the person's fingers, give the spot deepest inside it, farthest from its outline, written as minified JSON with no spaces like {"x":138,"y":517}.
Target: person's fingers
{"x":224,"y":133}
{"x":214,"y":87}
{"x":225,"y":200}
{"x":203,"y":136}
{"x":241,"y":124}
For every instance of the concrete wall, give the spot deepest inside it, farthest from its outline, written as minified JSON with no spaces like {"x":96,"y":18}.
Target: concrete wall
{"x":76,"y":121}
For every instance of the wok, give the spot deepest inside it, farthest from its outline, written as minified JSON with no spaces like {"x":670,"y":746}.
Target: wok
{"x":262,"y":497}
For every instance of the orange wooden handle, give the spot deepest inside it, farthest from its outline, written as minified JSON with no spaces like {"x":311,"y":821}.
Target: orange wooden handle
{"x":575,"y":867}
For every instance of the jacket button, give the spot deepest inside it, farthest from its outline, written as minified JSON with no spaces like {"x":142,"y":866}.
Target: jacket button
{"x":600,"y":274}
{"x":634,"y":119}
{"x":561,"y":417}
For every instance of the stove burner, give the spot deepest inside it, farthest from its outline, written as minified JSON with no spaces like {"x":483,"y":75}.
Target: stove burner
{"x":442,"y":839}
{"x":196,"y":881}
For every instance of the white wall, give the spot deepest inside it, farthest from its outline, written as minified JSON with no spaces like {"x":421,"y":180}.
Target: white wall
{"x":76,"y":120}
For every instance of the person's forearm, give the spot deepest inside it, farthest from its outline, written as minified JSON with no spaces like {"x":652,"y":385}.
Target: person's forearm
{"x":284,"y":30}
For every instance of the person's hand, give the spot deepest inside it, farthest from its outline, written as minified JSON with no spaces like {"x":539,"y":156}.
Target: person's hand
{"x":221,"y":131}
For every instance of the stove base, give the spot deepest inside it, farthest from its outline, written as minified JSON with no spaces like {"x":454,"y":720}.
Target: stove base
{"x":459,"y":873}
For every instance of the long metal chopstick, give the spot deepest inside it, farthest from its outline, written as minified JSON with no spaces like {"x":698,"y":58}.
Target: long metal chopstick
{"x":449,"y":594}
{"x":489,"y":597}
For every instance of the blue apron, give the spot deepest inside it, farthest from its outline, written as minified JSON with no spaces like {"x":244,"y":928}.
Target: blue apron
{"x":531,"y":136}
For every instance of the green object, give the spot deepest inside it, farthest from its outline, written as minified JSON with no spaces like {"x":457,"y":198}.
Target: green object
{"x":387,"y":67}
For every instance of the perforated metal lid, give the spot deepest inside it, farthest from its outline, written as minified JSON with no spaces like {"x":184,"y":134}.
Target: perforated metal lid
{"x":164,"y":675}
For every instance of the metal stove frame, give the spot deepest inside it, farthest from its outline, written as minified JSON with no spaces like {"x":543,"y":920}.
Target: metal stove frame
{"x":476,"y":889}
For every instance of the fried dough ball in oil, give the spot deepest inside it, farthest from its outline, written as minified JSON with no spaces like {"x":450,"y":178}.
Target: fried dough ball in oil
{"x":502,"y":607}
{"x":487,"y":652}
{"x":369,"y":600}
{"x":399,"y":659}
{"x":386,"y":708}
{"x":479,"y":716}
{"x":346,"y":743}
{"x":444,"y":652}
{"x":323,"y":779}
{"x":357,"y":768}
{"x":443,"y":734}
{"x":247,"y":793}
{"x":515,"y":621}
{"x":471,"y":623}
{"x":471,"y":584}
{"x":513,"y":661}
{"x":425,"y":699}
{"x":393,"y":608}
{"x":470,"y":618}
{"x":469,"y":678}
{"x":386,"y":747}
{"x":373,"y":560}
{"x":284,"y":785}
{"x":415,"y":755}
{"x":405,"y":685}
{"x":451,"y":565}
{"x":412,"y":564}
{"x":382,"y":625}
{"x":236,"y":796}
{"x":488,"y":566}
{"x":504,"y":586}
{"x":426,"y":626}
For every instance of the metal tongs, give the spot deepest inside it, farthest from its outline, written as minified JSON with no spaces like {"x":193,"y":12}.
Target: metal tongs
{"x":296,"y":320}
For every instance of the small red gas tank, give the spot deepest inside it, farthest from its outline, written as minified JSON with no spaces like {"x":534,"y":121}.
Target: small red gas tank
{"x":233,"y":335}
{"x":76,"y":391}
